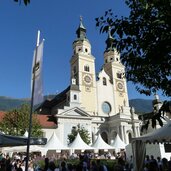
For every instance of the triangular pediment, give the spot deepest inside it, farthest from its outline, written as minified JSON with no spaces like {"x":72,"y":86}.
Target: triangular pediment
{"x":102,"y":74}
{"x":73,"y":112}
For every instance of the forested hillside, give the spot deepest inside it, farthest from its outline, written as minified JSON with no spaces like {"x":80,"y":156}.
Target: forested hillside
{"x":140,"y":105}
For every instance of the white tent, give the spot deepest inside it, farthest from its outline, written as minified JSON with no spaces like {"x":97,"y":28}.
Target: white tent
{"x":162,"y":134}
{"x":118,"y":143}
{"x":79,"y":144}
{"x":54,"y":144}
{"x":101,"y":144}
{"x":33,"y":148}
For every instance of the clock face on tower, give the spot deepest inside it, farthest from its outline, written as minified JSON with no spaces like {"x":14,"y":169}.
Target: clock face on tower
{"x":120,"y":86}
{"x":87,"y":79}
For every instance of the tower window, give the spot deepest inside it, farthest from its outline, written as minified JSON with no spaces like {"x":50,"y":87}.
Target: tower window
{"x":75,"y":97}
{"x":80,"y":49}
{"x":86,"y":50}
{"x":119,"y":75}
{"x":104,"y":81}
{"x":74,"y":69}
{"x":87,"y":68}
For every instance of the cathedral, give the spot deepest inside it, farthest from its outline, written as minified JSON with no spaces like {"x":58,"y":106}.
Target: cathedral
{"x":96,"y":101}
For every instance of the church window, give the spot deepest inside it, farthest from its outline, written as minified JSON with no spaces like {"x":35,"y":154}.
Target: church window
{"x":130,"y":137}
{"x":119,"y":75}
{"x":86,"y":50}
{"x":106,"y":107}
{"x":87,"y":68}
{"x":117,"y":59}
{"x":104,"y":81}
{"x":106,"y":60}
{"x":75,"y":69}
{"x":75,"y":97}
{"x":111,"y":59}
{"x":79,"y":49}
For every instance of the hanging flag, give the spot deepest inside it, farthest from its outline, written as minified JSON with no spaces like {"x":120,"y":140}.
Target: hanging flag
{"x":37,"y":86}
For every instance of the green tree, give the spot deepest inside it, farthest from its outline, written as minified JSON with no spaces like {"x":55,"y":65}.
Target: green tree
{"x":144,"y":41}
{"x":16,"y":122}
{"x":26,"y":2}
{"x":84,"y":134}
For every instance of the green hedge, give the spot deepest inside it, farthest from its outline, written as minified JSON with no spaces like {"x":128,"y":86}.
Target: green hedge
{"x":108,"y":162}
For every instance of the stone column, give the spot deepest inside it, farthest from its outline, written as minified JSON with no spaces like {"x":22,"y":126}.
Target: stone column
{"x":121,"y":132}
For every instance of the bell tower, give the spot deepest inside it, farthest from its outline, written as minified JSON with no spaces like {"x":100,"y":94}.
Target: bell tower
{"x":83,"y":70}
{"x":116,"y":71}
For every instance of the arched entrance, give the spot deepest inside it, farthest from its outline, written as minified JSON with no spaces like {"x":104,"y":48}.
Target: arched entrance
{"x":113,"y":136}
{"x":104,"y":136}
{"x":129,"y":137}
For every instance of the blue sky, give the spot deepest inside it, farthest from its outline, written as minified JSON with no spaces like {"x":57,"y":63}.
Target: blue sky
{"x":58,"y":21}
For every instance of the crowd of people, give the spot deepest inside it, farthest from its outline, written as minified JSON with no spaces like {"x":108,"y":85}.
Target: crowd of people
{"x":156,"y":164}
{"x":86,"y":163}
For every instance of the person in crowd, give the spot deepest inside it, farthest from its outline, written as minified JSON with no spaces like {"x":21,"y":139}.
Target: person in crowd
{"x":63,"y":166}
{"x":19,"y":165}
{"x":30,"y":166}
{"x":93,"y":166}
{"x":46,"y":164}
{"x":165,"y":165}
{"x":70,"y":167}
{"x":85,"y":165}
{"x":147,"y":160}
{"x":169,"y":164}
{"x":130,"y":163}
{"x":159,"y":163}
{"x":8,"y":163}
{"x":119,"y":166}
{"x":153,"y":163}
{"x":152,"y":166}
{"x":51,"y":166}
{"x":101,"y":166}
{"x":3,"y":166}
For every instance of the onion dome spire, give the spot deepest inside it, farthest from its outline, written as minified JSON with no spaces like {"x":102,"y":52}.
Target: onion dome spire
{"x":81,"y":31}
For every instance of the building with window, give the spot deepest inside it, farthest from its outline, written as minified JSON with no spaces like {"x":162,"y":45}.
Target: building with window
{"x":97,"y":101}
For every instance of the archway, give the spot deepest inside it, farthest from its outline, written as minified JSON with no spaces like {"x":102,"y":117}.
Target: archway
{"x":113,"y":136}
{"x":104,"y":136}
{"x":129,"y":137}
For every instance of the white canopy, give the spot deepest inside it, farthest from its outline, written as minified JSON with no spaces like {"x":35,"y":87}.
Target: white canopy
{"x":101,"y":144}
{"x":79,"y":144}
{"x":54,"y":144}
{"x":162,"y":134}
{"x":33,"y":148}
{"x":118,"y":143}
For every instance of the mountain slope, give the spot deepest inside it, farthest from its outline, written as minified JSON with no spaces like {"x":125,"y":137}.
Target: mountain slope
{"x":7,"y":103}
{"x":140,"y":105}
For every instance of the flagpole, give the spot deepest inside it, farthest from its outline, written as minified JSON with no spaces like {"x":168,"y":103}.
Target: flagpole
{"x":31,"y":106}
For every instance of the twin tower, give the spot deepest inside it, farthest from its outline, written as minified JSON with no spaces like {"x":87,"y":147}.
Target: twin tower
{"x":98,"y":102}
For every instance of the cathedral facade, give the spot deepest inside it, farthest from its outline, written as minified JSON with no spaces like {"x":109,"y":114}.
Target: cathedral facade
{"x":97,"y":101}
